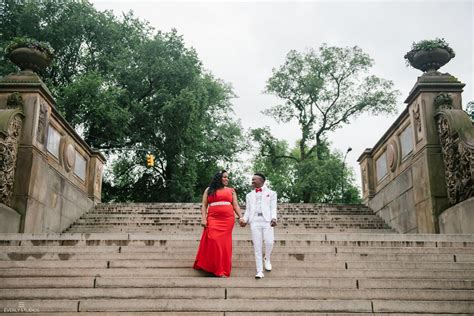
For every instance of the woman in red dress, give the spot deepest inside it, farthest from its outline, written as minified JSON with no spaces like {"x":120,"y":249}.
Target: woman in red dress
{"x":219,"y":203}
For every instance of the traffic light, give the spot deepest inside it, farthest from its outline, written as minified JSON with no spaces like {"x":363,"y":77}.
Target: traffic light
{"x":150,"y":160}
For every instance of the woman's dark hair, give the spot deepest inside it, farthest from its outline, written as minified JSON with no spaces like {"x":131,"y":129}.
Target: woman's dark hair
{"x":216,"y":183}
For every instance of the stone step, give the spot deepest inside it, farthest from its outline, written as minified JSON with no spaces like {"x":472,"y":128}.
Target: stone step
{"x":418,"y":240}
{"x":154,"y":252}
{"x":347,"y":283}
{"x":118,"y":269}
{"x":278,"y":257}
{"x":180,"y":205}
{"x":233,"y":314}
{"x":280,"y":208}
{"x":318,"y":224}
{"x":44,"y":252}
{"x":174,"y":222}
{"x":192,"y":231}
{"x":355,"y":294}
{"x":184,"y":226}
{"x":237,"y":293}
{"x":235,"y":282}
{"x":197,"y":215}
{"x":206,"y":305}
{"x":49,"y":262}
{"x":194,"y":212}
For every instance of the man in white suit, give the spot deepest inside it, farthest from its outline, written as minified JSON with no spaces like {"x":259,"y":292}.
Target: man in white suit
{"x":261,"y":214}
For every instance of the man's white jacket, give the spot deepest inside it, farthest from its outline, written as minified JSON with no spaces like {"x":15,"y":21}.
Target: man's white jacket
{"x":268,"y":207}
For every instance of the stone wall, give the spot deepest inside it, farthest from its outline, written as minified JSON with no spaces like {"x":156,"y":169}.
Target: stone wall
{"x":403,"y":175}
{"x":458,"y":219}
{"x":58,"y":176}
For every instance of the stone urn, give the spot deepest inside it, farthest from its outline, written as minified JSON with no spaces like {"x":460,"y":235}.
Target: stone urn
{"x":28,"y":58}
{"x":429,"y":60}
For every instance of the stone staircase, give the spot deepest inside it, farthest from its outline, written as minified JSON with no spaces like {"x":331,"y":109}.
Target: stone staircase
{"x":179,"y":217}
{"x":330,"y":269}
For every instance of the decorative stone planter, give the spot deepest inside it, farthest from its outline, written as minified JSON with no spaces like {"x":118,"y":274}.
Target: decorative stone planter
{"x":29,"y":59}
{"x":429,"y":60}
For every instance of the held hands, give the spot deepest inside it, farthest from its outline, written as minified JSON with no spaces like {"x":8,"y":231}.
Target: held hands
{"x":242,"y":222}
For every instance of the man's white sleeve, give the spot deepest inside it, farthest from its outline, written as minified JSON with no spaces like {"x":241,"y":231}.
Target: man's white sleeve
{"x":247,"y":209}
{"x":273,"y":205}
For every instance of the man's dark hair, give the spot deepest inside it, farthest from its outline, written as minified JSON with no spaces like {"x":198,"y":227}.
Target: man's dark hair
{"x":260,"y":175}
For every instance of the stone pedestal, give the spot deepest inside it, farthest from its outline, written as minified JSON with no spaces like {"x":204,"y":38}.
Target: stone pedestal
{"x":430,"y":195}
{"x":10,"y":220}
{"x":56,"y":170}
{"x":404,"y":174}
{"x":458,"y":219}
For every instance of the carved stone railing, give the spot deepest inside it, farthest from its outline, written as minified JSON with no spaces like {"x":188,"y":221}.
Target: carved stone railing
{"x":404,"y":173}
{"x":11,"y":121}
{"x":456,"y":134}
{"x":58,"y":176}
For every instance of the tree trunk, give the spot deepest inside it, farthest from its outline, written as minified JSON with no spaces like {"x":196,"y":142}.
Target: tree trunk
{"x":306,"y":196}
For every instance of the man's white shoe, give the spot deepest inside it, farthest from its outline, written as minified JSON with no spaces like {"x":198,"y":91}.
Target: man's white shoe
{"x":259,"y":275}
{"x":268,"y":265}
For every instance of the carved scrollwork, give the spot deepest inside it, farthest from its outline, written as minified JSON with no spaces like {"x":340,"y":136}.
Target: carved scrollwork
{"x":9,"y":140}
{"x":392,"y":155}
{"x":417,"y":117}
{"x":443,"y":101}
{"x":98,"y":178}
{"x":456,"y":139}
{"x":42,"y":122}
{"x":69,"y":156}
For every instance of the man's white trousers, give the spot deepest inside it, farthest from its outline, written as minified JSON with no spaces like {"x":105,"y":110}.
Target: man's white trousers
{"x":261,"y":231}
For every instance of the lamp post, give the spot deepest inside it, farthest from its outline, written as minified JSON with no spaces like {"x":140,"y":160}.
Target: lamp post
{"x":342,"y":175}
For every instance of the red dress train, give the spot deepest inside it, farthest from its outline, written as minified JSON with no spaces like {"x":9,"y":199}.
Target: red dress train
{"x":215,"y":249}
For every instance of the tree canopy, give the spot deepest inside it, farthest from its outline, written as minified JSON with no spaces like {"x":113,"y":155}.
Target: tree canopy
{"x":322,"y":90}
{"x":130,"y":89}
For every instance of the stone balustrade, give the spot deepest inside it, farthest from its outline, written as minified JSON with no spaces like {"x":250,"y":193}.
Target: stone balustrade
{"x":406,"y":179}
{"x":54,"y":176}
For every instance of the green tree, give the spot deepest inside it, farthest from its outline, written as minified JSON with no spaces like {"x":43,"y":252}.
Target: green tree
{"x":323,"y":90}
{"x":313,"y":180}
{"x":129,"y":90}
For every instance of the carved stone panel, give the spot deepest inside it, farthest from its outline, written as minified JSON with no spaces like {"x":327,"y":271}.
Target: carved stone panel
{"x":365,"y":181}
{"x":417,"y":122}
{"x":98,"y":178}
{"x":458,"y":162}
{"x":8,"y":156}
{"x":406,"y":142}
{"x":381,"y":167}
{"x":69,"y":156}
{"x":42,"y":123}
{"x":392,"y":155}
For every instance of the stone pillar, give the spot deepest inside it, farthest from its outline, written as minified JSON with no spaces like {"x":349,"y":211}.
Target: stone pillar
{"x":58,"y":175}
{"x":366,"y":162}
{"x":430,"y":195}
{"x":32,"y":146}
{"x":95,"y":183}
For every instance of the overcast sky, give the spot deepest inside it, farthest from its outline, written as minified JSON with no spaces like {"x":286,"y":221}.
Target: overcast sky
{"x":240,"y":42}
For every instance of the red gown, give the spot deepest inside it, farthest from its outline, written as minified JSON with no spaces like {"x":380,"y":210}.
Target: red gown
{"x":215,"y":249}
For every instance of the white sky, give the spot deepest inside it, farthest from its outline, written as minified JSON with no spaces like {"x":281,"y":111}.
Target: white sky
{"x":240,"y":42}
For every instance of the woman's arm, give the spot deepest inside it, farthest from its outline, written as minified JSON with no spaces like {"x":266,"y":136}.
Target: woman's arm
{"x":235,"y":204}
{"x":204,"y":209}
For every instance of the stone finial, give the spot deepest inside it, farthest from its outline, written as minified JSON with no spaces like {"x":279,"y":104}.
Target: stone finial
{"x":429,"y":55}
{"x":29,"y":54}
